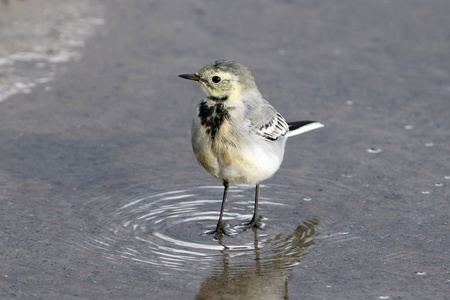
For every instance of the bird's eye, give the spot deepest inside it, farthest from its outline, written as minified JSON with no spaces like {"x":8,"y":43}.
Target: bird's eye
{"x":216,"y":79}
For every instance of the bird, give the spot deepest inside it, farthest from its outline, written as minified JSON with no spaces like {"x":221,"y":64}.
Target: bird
{"x":237,"y":135}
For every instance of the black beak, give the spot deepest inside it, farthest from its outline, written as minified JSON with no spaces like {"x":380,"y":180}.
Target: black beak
{"x":194,"y":77}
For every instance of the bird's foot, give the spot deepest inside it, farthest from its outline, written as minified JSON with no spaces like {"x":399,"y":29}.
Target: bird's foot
{"x":219,"y":231}
{"x":255,"y":223}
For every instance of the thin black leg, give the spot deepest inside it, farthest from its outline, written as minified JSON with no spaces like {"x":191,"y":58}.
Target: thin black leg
{"x":224,"y":198}
{"x":220,"y":228}
{"x":254,"y":220}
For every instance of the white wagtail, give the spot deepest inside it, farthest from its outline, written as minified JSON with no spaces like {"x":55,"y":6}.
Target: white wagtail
{"x":237,"y":136}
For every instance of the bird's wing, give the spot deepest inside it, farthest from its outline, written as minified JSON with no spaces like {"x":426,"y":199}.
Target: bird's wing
{"x":272,"y":128}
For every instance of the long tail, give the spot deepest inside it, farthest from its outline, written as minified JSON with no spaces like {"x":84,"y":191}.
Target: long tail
{"x":299,"y":127}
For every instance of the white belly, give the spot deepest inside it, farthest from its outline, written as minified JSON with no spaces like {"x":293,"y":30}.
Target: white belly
{"x":243,"y":159}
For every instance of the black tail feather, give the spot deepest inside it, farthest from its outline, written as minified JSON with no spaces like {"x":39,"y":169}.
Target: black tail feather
{"x":297,"y":124}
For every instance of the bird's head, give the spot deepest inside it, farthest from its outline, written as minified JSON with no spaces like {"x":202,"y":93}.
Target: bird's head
{"x":224,"y":80}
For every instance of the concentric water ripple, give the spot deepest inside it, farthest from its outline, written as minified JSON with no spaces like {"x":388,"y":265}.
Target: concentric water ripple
{"x":168,"y":230}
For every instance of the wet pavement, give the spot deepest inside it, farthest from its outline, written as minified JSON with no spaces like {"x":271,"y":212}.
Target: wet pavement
{"x":101,"y":196}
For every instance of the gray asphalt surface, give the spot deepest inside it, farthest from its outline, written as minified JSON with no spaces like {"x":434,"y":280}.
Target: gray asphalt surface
{"x":115,"y":125}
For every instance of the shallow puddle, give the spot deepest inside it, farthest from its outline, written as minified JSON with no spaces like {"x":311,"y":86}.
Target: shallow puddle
{"x":169,"y":230}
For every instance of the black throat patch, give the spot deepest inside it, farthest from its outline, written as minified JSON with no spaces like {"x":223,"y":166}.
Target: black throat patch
{"x":212,"y":117}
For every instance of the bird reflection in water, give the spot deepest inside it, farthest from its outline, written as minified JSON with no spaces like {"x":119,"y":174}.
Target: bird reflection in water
{"x":261,"y":274}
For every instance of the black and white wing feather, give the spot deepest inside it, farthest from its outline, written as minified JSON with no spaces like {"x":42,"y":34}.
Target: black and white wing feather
{"x":274,"y":128}
{"x":269,"y":124}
